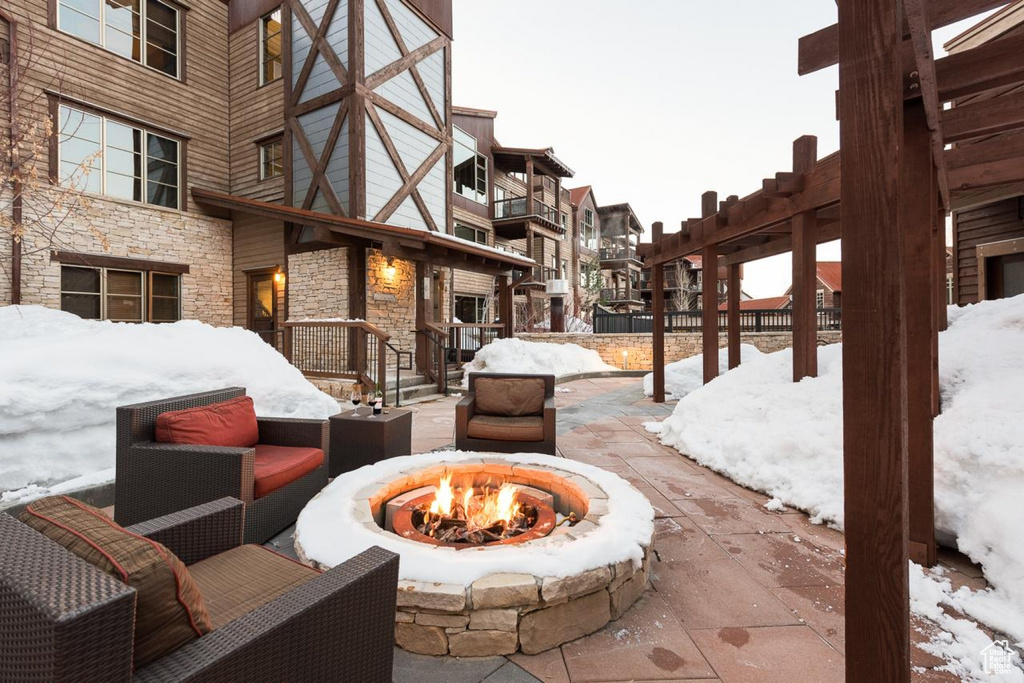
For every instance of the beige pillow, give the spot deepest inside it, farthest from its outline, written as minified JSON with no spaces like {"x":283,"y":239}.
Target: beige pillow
{"x":509,"y":396}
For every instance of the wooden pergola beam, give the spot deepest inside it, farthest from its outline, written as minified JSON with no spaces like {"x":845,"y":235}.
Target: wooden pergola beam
{"x":820,"y":50}
{"x":989,"y":117}
{"x":658,"y":320}
{"x":921,"y":37}
{"x":805,"y":273}
{"x":994,"y":64}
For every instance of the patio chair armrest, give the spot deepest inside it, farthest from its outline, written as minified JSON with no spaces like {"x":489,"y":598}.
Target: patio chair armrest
{"x":198,"y":532}
{"x":161,"y":478}
{"x":550,"y":423}
{"x":465,"y":408}
{"x":339,"y":626}
{"x":283,"y":431}
{"x":61,"y":619}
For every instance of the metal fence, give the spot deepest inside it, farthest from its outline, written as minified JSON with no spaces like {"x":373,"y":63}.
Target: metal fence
{"x":768,"y":320}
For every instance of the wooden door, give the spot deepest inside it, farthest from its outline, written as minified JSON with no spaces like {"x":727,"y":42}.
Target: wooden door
{"x":1005,"y":276}
{"x":262,"y":305}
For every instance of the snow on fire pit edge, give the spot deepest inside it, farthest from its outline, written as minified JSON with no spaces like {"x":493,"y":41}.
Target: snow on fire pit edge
{"x":330,"y":531}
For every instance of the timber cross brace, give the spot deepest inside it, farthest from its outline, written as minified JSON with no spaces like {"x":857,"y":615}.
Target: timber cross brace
{"x":893,"y":170}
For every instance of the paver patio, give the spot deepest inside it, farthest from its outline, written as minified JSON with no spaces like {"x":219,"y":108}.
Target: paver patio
{"x":738,"y":593}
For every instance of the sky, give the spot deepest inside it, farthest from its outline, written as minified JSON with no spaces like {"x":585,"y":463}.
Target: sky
{"x":654,"y":102}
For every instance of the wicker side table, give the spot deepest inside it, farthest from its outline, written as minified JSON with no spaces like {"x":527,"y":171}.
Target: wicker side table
{"x":358,"y":440}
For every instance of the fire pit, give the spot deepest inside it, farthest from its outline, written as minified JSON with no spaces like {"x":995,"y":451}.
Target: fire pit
{"x":498,"y":553}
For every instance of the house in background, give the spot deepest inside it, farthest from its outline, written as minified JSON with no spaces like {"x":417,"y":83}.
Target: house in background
{"x":829,"y":292}
{"x":621,"y":266}
{"x":988,"y":223}
{"x":771,"y":303}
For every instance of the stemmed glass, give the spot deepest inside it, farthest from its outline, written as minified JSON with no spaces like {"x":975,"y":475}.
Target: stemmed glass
{"x":371,"y":400}
{"x":357,"y":397}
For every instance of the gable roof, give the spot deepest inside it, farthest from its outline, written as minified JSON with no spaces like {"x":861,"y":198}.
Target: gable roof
{"x":767,"y":304}
{"x":577,"y":195}
{"x":831,"y":274}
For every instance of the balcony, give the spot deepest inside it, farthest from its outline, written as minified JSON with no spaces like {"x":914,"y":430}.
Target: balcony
{"x":511,"y":217}
{"x":618,"y":254}
{"x":539,"y":277}
{"x":619,"y":295}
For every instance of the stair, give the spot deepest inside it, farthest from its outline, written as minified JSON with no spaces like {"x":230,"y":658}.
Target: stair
{"x":417,"y":388}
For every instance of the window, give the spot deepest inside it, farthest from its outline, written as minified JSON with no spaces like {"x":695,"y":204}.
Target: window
{"x":588,"y":232}
{"x":145,"y":31}
{"x":470,"y":168}
{"x":120,"y":295}
{"x":270,"y":47}
{"x":565,"y":269}
{"x":499,"y":193}
{"x":949,"y":289}
{"x":271,"y":159}
{"x":472,"y":234}
{"x":104,"y":156}
{"x":471,"y":309}
{"x":565,"y":221}
{"x":819,"y":299}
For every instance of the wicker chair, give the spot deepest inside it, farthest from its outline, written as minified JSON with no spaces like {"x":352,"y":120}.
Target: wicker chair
{"x":62,"y":619}
{"x":504,"y":428}
{"x":154,"y":479}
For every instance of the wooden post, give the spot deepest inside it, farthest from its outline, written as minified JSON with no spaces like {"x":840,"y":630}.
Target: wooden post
{"x":529,"y":186}
{"x":709,"y":292}
{"x":805,"y":272}
{"x":874,"y":366}
{"x":557,"y":314}
{"x":733,"y":292}
{"x":424,"y":313}
{"x":506,"y":306}
{"x":918,"y":206}
{"x":357,"y":307}
{"x":658,"y":319}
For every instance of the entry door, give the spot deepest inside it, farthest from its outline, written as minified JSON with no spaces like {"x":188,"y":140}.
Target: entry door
{"x":263,"y":305}
{"x":1005,"y":276}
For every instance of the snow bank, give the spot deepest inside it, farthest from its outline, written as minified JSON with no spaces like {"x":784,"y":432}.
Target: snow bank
{"x":61,"y":378}
{"x":687,"y":375}
{"x":765,"y":432}
{"x":537,"y":358}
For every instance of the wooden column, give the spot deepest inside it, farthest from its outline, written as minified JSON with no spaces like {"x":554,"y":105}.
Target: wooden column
{"x":658,"y":319}
{"x":709,"y":293}
{"x":529,"y":186}
{"x":805,"y":272}
{"x":874,"y":372}
{"x":506,"y":306}
{"x":918,"y":206}
{"x":424,"y":314}
{"x":357,"y":306}
{"x":356,"y":111}
{"x":733,"y":291}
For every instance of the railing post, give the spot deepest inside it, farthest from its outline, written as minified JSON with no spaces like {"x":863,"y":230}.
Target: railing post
{"x":382,"y":369}
{"x":758,"y":322}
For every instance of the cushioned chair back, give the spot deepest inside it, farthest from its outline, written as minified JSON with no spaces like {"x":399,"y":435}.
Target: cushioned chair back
{"x":510,"y":395}
{"x":137,"y":423}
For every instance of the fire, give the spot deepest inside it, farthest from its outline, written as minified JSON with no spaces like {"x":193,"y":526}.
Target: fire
{"x":476,"y":510}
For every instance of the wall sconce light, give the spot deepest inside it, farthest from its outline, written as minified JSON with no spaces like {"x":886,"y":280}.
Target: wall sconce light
{"x":389,"y":269}
{"x":625,"y":360}
{"x":279,"y":276}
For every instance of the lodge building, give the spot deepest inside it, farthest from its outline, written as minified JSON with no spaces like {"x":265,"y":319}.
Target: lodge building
{"x":255,"y":162}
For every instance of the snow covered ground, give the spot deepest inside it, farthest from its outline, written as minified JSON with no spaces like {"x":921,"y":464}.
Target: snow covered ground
{"x":62,"y":377}
{"x":540,"y":358}
{"x":765,"y":432}
{"x":687,"y":375}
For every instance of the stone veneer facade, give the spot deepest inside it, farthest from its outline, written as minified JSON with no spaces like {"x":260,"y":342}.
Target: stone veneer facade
{"x":391,"y":298}
{"x":318,"y":284}
{"x":113,"y":228}
{"x":677,"y":346}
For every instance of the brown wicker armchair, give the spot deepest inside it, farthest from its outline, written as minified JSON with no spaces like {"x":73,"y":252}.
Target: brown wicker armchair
{"x":62,"y":619}
{"x":154,"y":479}
{"x":507,"y":414}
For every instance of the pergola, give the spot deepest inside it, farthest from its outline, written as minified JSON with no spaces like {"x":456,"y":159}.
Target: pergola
{"x":885,"y":195}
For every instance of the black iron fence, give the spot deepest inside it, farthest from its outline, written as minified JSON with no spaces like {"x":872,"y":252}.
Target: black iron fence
{"x":768,"y":320}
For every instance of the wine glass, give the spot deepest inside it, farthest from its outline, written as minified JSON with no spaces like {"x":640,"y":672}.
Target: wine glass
{"x":357,"y":397}
{"x":370,"y":401}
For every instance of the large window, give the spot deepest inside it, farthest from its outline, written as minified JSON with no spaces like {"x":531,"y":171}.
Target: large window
{"x":470,"y":168}
{"x":472,"y":234}
{"x":819,"y":299}
{"x":145,"y":31}
{"x":107,"y":157}
{"x":270,"y":47}
{"x":120,"y":295}
{"x":588,"y":231}
{"x":471,"y":309}
{"x":271,"y":159}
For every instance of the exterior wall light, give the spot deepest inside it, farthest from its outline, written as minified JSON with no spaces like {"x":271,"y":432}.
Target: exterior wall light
{"x":279,"y":276}
{"x":389,"y":269}
{"x":625,"y":360}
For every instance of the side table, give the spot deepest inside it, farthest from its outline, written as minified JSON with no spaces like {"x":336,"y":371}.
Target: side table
{"x":358,"y":440}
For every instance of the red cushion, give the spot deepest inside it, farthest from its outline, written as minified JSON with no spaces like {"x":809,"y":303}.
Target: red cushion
{"x":228,"y":423}
{"x":278,"y":466}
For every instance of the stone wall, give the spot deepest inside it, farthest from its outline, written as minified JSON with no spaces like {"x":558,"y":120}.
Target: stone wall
{"x":677,"y":346}
{"x":127,"y":230}
{"x":391,"y":298}
{"x":318,"y":284}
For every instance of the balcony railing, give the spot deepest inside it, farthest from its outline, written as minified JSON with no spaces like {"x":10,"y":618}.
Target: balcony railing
{"x":620,"y":294}
{"x":767,"y":320}
{"x":618,"y":254}
{"x":517,"y":207}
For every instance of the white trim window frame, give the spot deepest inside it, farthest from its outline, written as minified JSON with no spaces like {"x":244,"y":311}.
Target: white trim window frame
{"x":264,"y":37}
{"x":819,"y":299}
{"x":79,"y":10}
{"x":97,"y":148}
{"x":275,"y":164}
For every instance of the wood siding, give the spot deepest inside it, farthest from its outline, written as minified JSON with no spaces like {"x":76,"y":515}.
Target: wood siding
{"x":90,"y":74}
{"x":256,"y":114}
{"x":995,"y":222}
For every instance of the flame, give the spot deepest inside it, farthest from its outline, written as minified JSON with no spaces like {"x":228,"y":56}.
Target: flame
{"x":480,"y":510}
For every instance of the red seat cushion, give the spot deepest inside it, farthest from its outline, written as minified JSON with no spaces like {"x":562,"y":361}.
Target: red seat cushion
{"x":278,"y":466}
{"x":228,"y":423}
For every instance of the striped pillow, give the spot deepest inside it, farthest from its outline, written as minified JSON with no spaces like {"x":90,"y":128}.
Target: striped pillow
{"x":169,"y":609}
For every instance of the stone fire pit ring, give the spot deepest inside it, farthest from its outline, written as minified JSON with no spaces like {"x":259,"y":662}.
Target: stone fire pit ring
{"x":498,"y":599}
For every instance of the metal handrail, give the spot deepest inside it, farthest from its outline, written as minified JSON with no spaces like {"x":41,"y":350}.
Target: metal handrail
{"x":435,"y":334}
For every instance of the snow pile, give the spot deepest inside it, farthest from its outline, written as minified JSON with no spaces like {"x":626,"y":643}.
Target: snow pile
{"x":687,"y":375}
{"x":765,"y":432}
{"x":534,"y":358}
{"x":63,"y":377}
{"x":331,"y":528}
